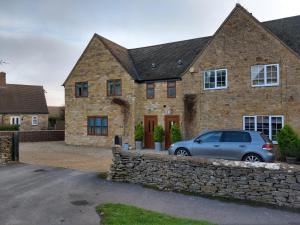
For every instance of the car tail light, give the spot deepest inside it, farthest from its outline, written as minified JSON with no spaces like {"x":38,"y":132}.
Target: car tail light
{"x":267,"y":147}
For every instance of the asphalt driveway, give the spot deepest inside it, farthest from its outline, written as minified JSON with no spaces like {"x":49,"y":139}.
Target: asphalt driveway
{"x":39,"y":195}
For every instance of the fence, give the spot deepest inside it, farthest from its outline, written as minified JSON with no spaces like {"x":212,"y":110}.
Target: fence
{"x":36,"y":136}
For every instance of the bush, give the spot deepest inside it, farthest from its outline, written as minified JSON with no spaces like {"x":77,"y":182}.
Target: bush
{"x":289,"y":143}
{"x":175,"y":133}
{"x":139,"y":132}
{"x":9,"y":127}
{"x":159,"y":133}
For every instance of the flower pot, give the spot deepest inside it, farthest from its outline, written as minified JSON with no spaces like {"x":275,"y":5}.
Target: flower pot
{"x":157,"y":146}
{"x":291,"y":160}
{"x":138,"y":145}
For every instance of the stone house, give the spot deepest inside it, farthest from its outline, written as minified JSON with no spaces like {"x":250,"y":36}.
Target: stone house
{"x":245,"y":76}
{"x":23,"y":105}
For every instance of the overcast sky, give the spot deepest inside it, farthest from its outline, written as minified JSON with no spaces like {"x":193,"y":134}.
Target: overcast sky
{"x":42,"y":40}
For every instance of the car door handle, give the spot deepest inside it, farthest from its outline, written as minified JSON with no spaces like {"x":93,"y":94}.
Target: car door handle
{"x":216,"y":146}
{"x":242,"y":146}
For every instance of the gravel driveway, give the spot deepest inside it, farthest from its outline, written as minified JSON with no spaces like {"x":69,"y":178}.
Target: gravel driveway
{"x":58,"y":154}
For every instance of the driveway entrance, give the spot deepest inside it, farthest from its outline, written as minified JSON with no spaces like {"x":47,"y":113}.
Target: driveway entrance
{"x":58,"y":154}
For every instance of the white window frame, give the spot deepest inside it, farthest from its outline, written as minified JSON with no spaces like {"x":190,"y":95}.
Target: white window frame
{"x":270,"y":123}
{"x":12,"y":118}
{"x":35,"y":117}
{"x":215,"y":71}
{"x":265,"y":84}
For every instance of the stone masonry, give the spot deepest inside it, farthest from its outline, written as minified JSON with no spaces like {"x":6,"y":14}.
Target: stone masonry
{"x":5,"y":149}
{"x":270,"y":183}
{"x":239,"y":43}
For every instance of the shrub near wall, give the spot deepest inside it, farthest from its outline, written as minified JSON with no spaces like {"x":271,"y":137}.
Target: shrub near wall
{"x":262,"y":182}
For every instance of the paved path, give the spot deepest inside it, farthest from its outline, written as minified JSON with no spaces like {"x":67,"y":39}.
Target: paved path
{"x":39,"y":195}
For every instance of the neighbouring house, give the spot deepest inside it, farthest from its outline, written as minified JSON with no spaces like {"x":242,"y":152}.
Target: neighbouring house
{"x":56,"y":117}
{"x":245,"y":76}
{"x":23,"y":105}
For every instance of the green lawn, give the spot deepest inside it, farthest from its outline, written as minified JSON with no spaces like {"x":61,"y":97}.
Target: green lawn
{"x":120,"y":214}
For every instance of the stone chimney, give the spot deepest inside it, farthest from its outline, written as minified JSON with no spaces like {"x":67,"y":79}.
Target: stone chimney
{"x":2,"y":79}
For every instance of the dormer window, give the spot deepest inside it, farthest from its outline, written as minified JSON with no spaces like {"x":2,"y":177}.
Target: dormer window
{"x":153,"y":65}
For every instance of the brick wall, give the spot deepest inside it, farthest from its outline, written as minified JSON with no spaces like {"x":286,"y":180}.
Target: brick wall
{"x":5,"y":149}
{"x":275,"y":184}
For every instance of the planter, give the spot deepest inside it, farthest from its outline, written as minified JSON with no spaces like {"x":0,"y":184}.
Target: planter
{"x":291,"y":160}
{"x":138,"y":145}
{"x":157,"y":146}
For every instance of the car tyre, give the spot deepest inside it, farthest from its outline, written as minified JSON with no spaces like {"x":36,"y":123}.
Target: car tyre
{"x":252,"y":157}
{"x":182,"y":152}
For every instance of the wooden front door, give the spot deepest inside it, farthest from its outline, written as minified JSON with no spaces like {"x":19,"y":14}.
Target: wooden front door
{"x":149,"y":123}
{"x":169,"y":121}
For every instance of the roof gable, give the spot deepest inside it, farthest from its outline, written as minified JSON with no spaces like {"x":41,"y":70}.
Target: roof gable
{"x":172,"y":60}
{"x":23,"y":99}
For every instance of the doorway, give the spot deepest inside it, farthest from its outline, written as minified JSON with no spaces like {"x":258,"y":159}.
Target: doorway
{"x":169,"y":121}
{"x":149,"y":123}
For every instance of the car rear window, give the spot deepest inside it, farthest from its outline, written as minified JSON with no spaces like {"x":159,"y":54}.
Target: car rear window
{"x":235,"y":136}
{"x":266,"y":138}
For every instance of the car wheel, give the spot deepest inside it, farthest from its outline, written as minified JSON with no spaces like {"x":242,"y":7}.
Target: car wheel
{"x":182,"y":152}
{"x":252,"y":158}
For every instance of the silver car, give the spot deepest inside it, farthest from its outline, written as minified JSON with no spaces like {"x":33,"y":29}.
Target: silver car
{"x":250,"y":146}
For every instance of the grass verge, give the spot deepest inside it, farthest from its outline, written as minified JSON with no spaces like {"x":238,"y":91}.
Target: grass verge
{"x":120,"y":214}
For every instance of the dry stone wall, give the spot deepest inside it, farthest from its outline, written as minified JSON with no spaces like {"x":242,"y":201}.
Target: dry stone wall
{"x":276,"y":184}
{"x":5,"y":149}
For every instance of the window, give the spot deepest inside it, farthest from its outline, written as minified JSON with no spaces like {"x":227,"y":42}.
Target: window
{"x":268,"y":125}
{"x":35,"y":120}
{"x":236,"y":136}
{"x":98,"y":125}
{"x":150,"y":90}
{"x":171,"y":89}
{"x":265,"y":75}
{"x":81,"y":89}
{"x":15,"y":120}
{"x":210,"y":137}
{"x":215,"y":79}
{"x":114,"y":88}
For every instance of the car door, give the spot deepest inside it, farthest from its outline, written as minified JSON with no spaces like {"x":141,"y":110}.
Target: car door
{"x":233,"y":144}
{"x":207,"y":145}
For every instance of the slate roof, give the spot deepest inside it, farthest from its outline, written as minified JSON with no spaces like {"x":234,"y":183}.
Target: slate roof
{"x":287,"y":30}
{"x":138,"y":62}
{"x":22,"y":99}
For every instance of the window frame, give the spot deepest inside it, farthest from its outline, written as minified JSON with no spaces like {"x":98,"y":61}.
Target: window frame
{"x":13,"y":117}
{"x":94,"y":133}
{"x":215,"y":72}
{"x":270,"y":124}
{"x":265,"y":75}
{"x":114,"y":87}
{"x":168,"y":86}
{"x":37,"y":120}
{"x":147,"y":87}
{"x":82,"y":96}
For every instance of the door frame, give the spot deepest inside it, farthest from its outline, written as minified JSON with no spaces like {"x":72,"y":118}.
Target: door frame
{"x":166,"y":125}
{"x":156,"y":121}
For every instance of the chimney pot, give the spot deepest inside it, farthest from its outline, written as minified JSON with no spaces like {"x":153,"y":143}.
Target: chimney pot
{"x":2,"y":79}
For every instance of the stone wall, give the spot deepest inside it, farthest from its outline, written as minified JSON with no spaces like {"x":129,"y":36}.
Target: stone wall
{"x":5,"y":149}
{"x":269,"y":183}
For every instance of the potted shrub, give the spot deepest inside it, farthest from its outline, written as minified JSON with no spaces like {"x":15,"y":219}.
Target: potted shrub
{"x":139,"y":136}
{"x":158,"y":137}
{"x":289,"y":144}
{"x":175,"y":133}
